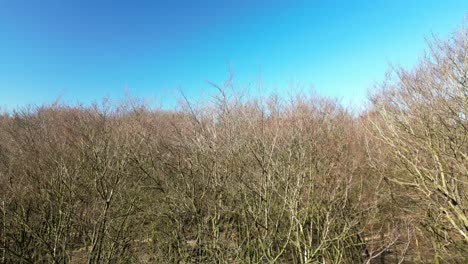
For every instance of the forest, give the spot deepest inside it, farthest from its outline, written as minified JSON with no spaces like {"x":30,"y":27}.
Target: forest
{"x":239,"y":179}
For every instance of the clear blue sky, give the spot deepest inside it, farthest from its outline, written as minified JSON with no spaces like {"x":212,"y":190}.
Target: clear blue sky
{"x":86,"y":50}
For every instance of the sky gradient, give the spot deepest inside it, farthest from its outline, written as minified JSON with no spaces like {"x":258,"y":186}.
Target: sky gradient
{"x":83,"y":51}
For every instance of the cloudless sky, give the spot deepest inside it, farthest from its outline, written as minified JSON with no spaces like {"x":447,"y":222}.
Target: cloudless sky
{"x":85,"y":50}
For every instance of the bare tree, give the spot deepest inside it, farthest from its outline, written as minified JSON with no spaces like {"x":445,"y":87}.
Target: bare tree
{"x":421,"y":117}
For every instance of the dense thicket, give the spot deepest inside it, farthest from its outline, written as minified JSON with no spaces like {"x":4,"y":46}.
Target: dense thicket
{"x":245,"y":180}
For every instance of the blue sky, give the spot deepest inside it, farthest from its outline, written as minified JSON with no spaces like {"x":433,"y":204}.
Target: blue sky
{"x":85,"y":50}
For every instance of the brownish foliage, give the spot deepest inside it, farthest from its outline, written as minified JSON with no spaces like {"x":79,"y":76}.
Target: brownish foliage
{"x":245,"y":180}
